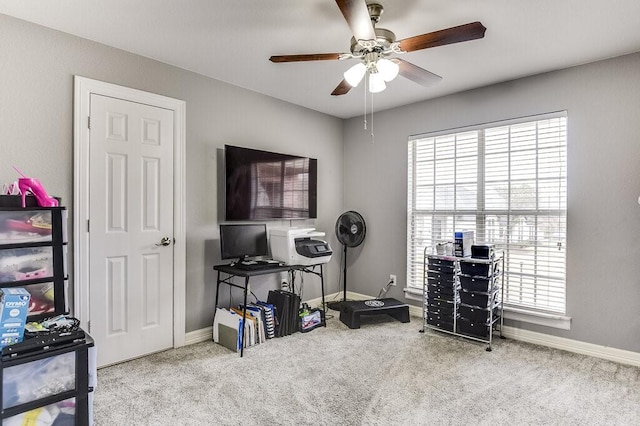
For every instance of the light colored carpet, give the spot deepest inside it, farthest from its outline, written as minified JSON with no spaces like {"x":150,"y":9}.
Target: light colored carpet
{"x":386,"y":373}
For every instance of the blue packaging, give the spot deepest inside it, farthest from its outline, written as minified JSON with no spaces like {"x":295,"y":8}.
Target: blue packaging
{"x":14,"y":308}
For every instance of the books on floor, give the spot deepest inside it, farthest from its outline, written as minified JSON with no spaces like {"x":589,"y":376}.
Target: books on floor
{"x":234,"y":331}
{"x":269,"y":318}
{"x":227,"y":326}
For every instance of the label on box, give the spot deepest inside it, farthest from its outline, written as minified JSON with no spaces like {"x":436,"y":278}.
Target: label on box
{"x":14,"y":308}
{"x":462,"y":243}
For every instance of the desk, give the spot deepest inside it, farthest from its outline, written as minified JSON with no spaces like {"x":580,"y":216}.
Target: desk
{"x":232,"y":272}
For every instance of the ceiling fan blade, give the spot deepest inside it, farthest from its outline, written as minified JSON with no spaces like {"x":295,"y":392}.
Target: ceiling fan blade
{"x":309,"y":57}
{"x":341,"y":89}
{"x":356,"y":14}
{"x":472,"y":31}
{"x":416,"y":74}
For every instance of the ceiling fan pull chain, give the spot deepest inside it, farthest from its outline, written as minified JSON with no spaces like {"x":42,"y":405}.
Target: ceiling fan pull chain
{"x":372,"y":136}
{"x":366,"y":84}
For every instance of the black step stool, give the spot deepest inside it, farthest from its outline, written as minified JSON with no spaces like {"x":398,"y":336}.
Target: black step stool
{"x":351,"y":312}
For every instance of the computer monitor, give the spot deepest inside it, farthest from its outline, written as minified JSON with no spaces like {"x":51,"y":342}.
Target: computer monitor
{"x":241,"y":241}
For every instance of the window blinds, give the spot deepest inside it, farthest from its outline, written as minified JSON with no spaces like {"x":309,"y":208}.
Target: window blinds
{"x":505,"y":181}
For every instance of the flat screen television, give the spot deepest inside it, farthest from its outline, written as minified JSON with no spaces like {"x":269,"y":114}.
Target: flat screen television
{"x":243,"y":241}
{"x":261,"y":185}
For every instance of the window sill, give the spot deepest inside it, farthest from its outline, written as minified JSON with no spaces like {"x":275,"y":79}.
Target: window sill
{"x":510,"y":313}
{"x":548,"y":320}
{"x":413,"y":293}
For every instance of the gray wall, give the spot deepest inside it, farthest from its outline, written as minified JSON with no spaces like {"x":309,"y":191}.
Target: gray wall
{"x":36,"y":135}
{"x":603,"y":284}
{"x":603,"y":235}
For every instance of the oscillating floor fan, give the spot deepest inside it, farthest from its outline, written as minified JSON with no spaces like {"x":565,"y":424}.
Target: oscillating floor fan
{"x":350,"y":231}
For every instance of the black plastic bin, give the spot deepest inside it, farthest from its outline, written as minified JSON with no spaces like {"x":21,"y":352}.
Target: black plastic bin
{"x":440,"y":296}
{"x":440,"y":310}
{"x":475,"y":268}
{"x":476,"y":314}
{"x":439,"y":303}
{"x":474,"y":329}
{"x":440,"y":317}
{"x":442,"y":282}
{"x":436,"y":261}
{"x":483,"y":300}
{"x":441,"y":276}
{"x":445,"y":325}
{"x":470,"y":283}
{"x":442,"y":268}
{"x":436,"y":290}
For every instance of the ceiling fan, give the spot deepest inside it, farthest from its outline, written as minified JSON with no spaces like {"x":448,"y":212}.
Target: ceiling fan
{"x":374,"y":47}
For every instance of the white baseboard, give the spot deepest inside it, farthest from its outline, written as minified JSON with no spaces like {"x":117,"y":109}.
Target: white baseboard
{"x":598,"y":351}
{"x":197,"y":336}
{"x":604,"y":352}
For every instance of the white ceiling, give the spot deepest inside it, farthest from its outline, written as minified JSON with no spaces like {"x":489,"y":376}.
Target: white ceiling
{"x":231,"y":40}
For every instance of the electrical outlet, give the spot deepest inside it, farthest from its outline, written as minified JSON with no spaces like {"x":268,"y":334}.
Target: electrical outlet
{"x":392,"y":279}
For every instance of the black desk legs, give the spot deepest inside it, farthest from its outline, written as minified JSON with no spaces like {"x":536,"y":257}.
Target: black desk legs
{"x":215,"y":305}
{"x":312,"y":270}
{"x":324,"y":313}
{"x":244,"y":314}
{"x":244,"y":305}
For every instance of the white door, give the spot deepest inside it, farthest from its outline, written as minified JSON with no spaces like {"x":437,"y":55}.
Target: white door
{"x":130,"y":228}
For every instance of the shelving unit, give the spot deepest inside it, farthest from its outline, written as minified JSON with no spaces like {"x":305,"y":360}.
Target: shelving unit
{"x":33,"y":255}
{"x":463,"y":296}
{"x":49,"y":378}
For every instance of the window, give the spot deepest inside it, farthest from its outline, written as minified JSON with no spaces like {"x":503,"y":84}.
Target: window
{"x":505,"y":181}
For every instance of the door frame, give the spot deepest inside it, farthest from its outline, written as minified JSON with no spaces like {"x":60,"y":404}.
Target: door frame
{"x":83,"y":88}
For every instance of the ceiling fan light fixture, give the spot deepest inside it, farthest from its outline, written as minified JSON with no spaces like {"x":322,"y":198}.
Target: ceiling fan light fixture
{"x":354,"y":75}
{"x":376,"y":82}
{"x":388,"y":69}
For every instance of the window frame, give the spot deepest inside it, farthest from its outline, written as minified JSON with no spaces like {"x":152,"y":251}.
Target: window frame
{"x":414,"y":289}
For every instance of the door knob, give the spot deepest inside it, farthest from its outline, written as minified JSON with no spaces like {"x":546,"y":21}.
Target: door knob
{"x":165,"y":241}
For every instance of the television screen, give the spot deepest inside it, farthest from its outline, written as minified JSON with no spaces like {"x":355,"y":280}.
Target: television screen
{"x":243,"y":241}
{"x":263,"y":185}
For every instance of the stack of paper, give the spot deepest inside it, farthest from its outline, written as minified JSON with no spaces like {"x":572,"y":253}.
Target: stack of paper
{"x":226,"y":329}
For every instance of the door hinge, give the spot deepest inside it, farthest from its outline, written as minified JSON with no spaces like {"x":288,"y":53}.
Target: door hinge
{"x":89,"y":327}
{"x":88,"y":228}
{"x":89,"y":122}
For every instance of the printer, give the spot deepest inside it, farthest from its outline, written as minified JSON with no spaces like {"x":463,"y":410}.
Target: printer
{"x":299,"y":246}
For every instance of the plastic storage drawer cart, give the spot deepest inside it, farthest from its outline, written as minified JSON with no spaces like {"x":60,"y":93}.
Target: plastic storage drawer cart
{"x":49,"y":386}
{"x":463,"y":296}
